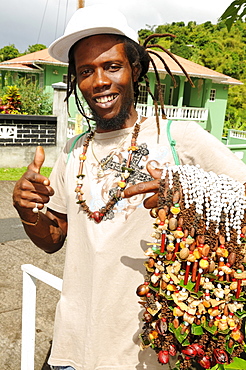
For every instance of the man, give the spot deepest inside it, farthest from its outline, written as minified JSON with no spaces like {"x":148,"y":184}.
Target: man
{"x":97,"y":324}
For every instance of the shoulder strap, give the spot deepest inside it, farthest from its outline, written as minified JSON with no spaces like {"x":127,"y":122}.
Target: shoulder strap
{"x":74,"y":143}
{"x":172,"y":143}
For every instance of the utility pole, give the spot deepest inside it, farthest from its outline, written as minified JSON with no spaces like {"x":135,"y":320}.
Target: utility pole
{"x":81,"y":3}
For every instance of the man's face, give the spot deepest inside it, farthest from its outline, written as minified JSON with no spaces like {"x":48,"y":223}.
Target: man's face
{"x":105,"y":79}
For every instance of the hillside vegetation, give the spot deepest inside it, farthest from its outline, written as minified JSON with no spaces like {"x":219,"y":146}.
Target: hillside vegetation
{"x":214,"y":47}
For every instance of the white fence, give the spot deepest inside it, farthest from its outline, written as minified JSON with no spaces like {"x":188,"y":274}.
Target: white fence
{"x":237,"y":134}
{"x":175,"y":113}
{"x":30,"y":275}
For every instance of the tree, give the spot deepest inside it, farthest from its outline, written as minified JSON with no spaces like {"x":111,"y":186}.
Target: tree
{"x":9,"y":52}
{"x":144,"y":33}
{"x":181,"y":48}
{"x":235,"y":11}
{"x":33,"y":99}
{"x":35,"y":47}
{"x":236,"y":110}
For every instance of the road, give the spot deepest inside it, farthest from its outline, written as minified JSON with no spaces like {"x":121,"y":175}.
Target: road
{"x":11,"y":229}
{"x":15,"y":250}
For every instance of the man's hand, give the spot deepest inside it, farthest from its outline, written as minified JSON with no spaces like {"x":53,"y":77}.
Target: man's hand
{"x":146,"y":187}
{"x":32,"y":188}
{"x":48,"y":231}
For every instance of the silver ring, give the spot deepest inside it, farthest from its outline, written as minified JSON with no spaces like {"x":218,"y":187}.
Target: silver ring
{"x":35,"y":209}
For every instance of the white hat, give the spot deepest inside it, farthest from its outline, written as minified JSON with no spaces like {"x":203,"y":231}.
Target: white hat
{"x":89,"y":21}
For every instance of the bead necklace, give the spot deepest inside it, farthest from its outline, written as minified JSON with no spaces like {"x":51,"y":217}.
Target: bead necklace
{"x":102,"y":164}
{"x":193,"y":293}
{"x":126,"y":170}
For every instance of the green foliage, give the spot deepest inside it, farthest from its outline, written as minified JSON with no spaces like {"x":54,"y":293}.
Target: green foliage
{"x":34,"y":48}
{"x":33,"y":99}
{"x":235,"y":11}
{"x":25,"y":98}
{"x":143,"y":34}
{"x":10,"y":103}
{"x":236,"y":364}
{"x":8,"y":52}
{"x":180,"y":47}
{"x":236,"y":109}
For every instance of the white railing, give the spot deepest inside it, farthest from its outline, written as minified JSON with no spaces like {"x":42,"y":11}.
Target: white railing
{"x":175,"y":113}
{"x":30,"y":275}
{"x":237,"y":134}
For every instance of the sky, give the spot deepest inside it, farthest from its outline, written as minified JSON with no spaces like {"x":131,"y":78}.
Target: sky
{"x":28,"y":22}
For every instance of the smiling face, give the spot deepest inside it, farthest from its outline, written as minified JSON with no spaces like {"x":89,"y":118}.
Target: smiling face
{"x":105,"y":78}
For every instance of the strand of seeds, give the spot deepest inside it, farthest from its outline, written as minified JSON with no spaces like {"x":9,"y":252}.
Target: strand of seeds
{"x":126,"y":170}
{"x":194,"y":288}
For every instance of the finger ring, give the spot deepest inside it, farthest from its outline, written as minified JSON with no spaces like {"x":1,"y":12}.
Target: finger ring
{"x":35,"y":209}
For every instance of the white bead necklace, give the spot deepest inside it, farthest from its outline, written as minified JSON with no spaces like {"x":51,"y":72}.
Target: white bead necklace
{"x":212,"y":195}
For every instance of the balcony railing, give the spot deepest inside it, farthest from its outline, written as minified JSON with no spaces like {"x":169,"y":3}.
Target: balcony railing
{"x":175,"y":113}
{"x":237,"y":134}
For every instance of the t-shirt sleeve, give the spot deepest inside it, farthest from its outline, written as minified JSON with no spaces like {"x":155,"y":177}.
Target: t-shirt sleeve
{"x":196,"y":146}
{"x":58,"y":200}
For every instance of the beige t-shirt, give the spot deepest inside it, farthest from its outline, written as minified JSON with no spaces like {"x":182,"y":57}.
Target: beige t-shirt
{"x":98,"y":318}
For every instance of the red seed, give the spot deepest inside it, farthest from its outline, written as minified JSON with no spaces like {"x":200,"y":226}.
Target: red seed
{"x":163,"y":357}
{"x":189,"y":351}
{"x":220,"y":356}
{"x":205,"y":362}
{"x":172,"y":350}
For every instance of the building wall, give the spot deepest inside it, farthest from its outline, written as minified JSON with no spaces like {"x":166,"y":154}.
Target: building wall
{"x":196,"y":93}
{"x":53,"y":74}
{"x":217,"y":109}
{"x":19,"y":136}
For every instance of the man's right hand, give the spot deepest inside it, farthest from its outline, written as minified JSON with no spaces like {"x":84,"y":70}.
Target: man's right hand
{"x":32,"y":189}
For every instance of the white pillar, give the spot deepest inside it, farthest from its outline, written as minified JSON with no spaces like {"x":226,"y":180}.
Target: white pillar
{"x":60,"y":110}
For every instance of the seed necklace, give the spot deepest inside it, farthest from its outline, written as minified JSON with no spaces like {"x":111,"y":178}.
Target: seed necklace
{"x":126,"y":170}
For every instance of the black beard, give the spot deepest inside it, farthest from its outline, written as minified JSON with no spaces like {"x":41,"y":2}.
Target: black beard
{"x":115,"y":123}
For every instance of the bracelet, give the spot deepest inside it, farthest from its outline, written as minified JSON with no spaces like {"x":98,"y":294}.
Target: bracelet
{"x":31,"y":223}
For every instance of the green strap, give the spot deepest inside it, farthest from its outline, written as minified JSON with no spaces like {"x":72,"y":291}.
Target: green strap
{"x":74,"y":143}
{"x":172,"y":144}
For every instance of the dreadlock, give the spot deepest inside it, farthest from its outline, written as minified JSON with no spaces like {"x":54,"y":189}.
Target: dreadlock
{"x":139,"y":56}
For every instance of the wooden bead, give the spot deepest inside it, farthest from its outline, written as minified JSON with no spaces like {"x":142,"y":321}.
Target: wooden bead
{"x":162,"y":214}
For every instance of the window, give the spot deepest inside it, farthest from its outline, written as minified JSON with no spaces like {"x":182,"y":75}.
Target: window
{"x":143,"y":95}
{"x":15,"y":76}
{"x":163,"y":90}
{"x":64,"y":79}
{"x":212,"y":95}
{"x":33,"y":79}
{"x":41,"y":80}
{"x":170,"y":99}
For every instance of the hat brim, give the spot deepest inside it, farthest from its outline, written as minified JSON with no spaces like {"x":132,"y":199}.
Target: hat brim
{"x":59,"y":49}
